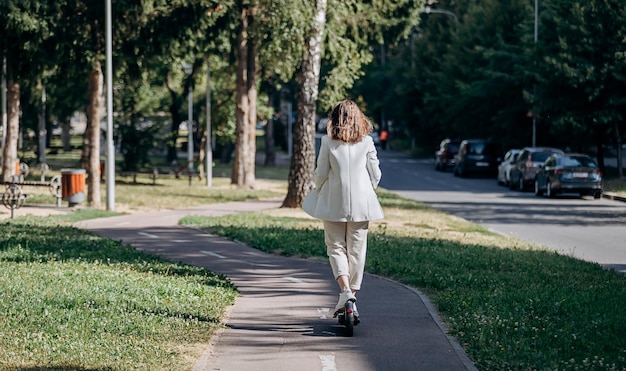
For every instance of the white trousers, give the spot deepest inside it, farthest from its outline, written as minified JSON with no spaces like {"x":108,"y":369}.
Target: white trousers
{"x":346,"y":247}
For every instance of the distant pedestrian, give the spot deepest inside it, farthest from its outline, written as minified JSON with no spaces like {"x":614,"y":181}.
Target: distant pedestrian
{"x":346,"y":176}
{"x":384,"y":134}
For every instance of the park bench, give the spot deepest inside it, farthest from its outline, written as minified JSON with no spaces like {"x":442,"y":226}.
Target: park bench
{"x":17,"y":182}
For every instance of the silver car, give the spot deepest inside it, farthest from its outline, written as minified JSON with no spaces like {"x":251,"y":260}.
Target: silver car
{"x":504,"y":169}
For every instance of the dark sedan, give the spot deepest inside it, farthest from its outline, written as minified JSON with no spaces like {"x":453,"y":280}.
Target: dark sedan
{"x":569,"y":173}
{"x":477,"y":156}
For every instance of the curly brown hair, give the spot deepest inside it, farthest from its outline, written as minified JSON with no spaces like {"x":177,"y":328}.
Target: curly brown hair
{"x":347,"y":122}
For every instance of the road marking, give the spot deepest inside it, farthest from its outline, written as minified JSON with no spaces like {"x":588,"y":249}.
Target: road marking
{"x":293,"y":279}
{"x":213,"y":254}
{"x":328,"y":362}
{"x":181,"y":241}
{"x":147,"y":235}
{"x":323,"y":312}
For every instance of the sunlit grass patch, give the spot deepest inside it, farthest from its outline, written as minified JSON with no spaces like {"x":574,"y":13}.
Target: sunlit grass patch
{"x":73,"y":300}
{"x":171,"y":193}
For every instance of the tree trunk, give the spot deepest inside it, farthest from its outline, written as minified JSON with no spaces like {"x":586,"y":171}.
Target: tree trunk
{"x":249,"y":172}
{"x":66,"y":134}
{"x":303,"y":158}
{"x":9,"y":154}
{"x":91,"y":142}
{"x":238,"y":175}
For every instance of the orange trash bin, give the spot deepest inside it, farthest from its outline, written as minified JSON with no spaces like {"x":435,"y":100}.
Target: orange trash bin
{"x":73,"y":185}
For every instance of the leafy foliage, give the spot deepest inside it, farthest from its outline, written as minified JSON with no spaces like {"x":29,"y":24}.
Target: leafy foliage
{"x":484,"y":75}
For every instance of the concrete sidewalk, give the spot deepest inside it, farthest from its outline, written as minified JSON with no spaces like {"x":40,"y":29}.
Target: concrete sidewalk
{"x":283,"y":318}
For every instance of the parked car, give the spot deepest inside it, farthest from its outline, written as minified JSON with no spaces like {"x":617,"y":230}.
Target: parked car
{"x":504,"y":169}
{"x":527,"y":165}
{"x":476,"y":156}
{"x":569,"y":173}
{"x":445,"y":155}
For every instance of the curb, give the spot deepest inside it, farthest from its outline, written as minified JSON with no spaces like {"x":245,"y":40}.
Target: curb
{"x":614,"y":197}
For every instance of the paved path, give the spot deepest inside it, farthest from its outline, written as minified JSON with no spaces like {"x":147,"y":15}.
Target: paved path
{"x":283,"y":318}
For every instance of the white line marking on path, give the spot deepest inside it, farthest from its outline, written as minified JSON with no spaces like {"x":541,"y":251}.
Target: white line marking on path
{"x":213,"y":254}
{"x":293,"y":279}
{"x":147,"y":235}
{"x":122,"y":223}
{"x":181,"y":241}
{"x":323,"y":312}
{"x":328,"y":362}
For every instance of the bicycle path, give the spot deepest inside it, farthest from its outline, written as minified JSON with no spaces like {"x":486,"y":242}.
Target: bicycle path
{"x":282,"y":319}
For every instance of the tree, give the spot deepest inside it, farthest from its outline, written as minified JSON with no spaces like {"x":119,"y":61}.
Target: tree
{"x":184,"y":31}
{"x":245,"y":146}
{"x":581,"y":72}
{"x":25,"y":43}
{"x":303,"y":161}
{"x":351,"y":28}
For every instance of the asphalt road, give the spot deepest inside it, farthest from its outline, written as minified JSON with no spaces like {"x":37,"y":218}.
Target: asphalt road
{"x":585,"y":228}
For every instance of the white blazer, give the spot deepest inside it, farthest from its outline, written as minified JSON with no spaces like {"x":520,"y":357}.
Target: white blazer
{"x":345,"y":178}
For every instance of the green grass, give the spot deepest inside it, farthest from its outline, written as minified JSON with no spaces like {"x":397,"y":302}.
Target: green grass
{"x":72,"y":300}
{"x":512,"y":306}
{"x":616,"y":185}
{"x":613,"y":183}
{"x":177,"y":193}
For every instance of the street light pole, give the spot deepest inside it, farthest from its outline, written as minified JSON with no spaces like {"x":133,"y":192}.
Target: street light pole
{"x":110,"y":148}
{"x":4,"y":108}
{"x":535,"y":88}
{"x":190,"y":128}
{"x":208,"y":157}
{"x":42,"y":133}
{"x":189,"y":70}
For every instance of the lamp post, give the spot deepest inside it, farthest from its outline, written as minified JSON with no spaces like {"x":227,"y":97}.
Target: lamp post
{"x":4,"y":109}
{"x":42,"y":133}
{"x":189,"y":71}
{"x":208,"y":156}
{"x":534,"y":87}
{"x":110,"y":148}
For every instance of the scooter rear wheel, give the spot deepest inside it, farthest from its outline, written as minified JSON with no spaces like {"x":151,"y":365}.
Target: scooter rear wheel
{"x":349,"y":318}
